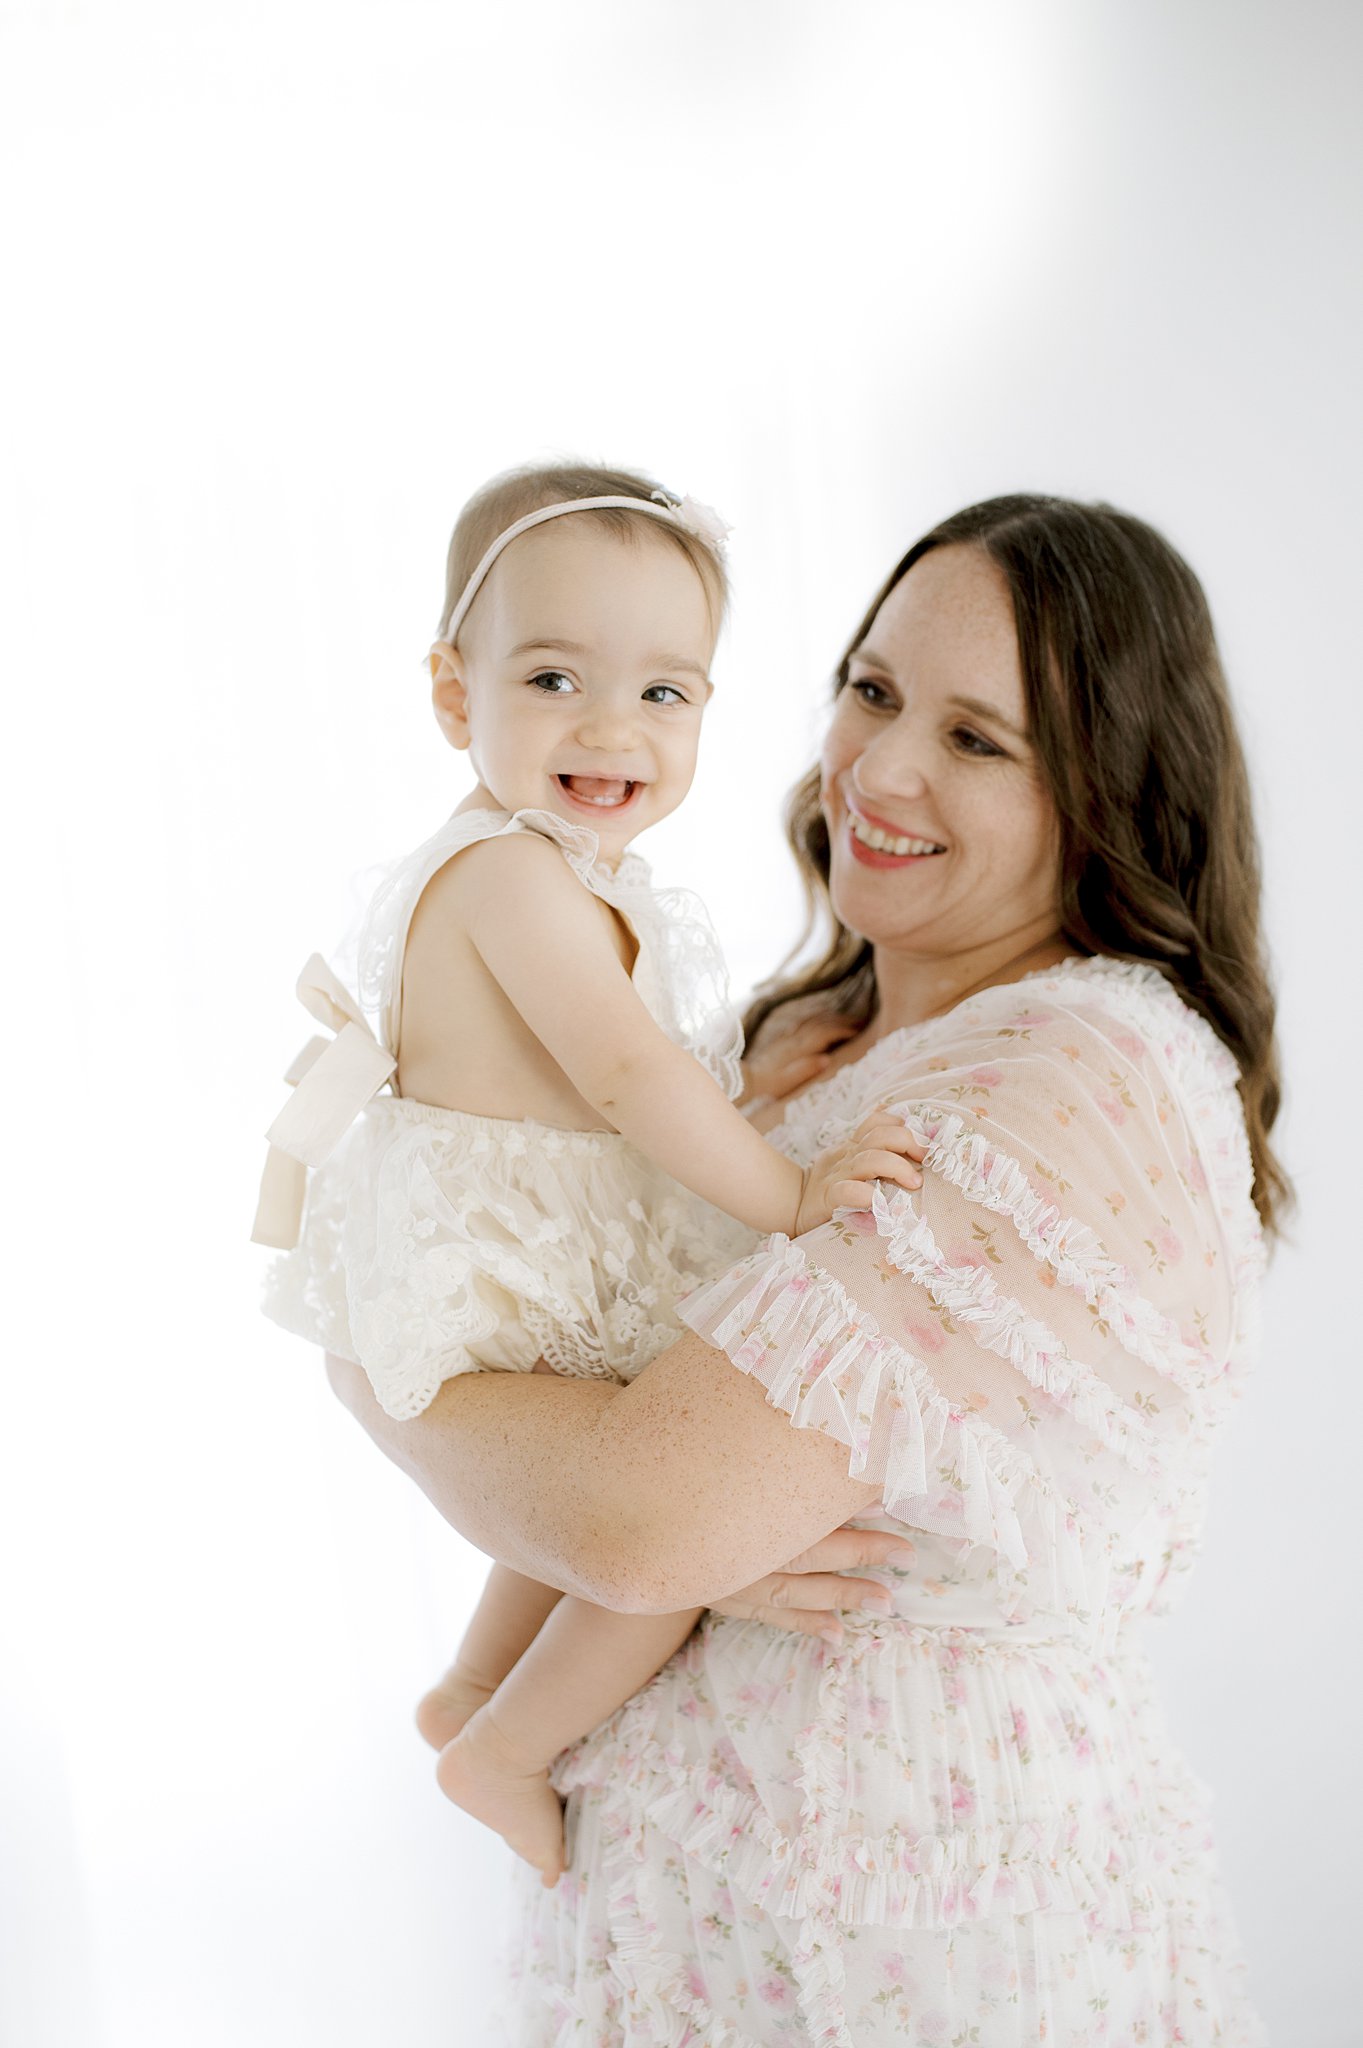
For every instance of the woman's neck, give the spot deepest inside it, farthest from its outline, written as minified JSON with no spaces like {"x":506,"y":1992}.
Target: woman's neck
{"x":911,"y":989}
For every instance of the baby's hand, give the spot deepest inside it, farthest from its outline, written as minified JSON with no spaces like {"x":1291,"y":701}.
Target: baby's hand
{"x":786,"y":1060}
{"x":844,"y":1177}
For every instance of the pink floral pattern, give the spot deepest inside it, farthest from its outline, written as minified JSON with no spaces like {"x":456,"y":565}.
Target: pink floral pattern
{"x":967,"y":1824}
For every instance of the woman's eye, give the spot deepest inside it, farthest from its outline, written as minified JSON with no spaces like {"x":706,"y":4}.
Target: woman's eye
{"x":552,"y":682}
{"x":974,"y":743}
{"x":664,"y":693}
{"x":870,"y":691}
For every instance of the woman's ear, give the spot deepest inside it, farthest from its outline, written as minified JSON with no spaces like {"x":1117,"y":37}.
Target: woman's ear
{"x":449,"y":696}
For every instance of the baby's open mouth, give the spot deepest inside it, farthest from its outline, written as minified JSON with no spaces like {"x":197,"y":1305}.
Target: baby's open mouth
{"x":607,"y":792}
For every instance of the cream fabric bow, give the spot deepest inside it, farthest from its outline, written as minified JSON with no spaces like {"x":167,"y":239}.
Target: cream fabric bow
{"x":332,"y":1080}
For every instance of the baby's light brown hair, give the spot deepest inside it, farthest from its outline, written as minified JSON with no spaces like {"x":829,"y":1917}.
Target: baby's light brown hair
{"x":515,"y":492}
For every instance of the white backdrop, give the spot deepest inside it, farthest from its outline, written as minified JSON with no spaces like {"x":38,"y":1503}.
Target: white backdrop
{"x":285,"y":282}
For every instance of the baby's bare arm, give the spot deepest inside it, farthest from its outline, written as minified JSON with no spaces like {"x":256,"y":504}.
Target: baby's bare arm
{"x":542,"y":937}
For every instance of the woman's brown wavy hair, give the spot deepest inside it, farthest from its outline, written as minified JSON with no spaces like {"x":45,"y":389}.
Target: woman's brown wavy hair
{"x":1131,"y":720}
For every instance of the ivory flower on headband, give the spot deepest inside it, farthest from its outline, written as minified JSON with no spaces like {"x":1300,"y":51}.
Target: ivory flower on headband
{"x":702,"y":520}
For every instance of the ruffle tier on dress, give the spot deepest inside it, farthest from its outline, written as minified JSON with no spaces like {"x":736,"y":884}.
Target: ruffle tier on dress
{"x":926,"y":1836}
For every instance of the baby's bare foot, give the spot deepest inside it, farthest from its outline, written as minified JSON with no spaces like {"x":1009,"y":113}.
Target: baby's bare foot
{"x":442,"y":1712}
{"x":482,"y":1772}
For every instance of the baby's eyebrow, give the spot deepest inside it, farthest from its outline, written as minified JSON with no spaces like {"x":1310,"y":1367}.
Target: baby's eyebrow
{"x":549,"y":647}
{"x":664,"y":661}
{"x":674,"y":661}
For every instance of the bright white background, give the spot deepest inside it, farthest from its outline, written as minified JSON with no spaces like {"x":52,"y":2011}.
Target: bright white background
{"x":285,"y":281}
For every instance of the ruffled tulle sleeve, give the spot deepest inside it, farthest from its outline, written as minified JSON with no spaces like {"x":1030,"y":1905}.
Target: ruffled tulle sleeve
{"x":1028,"y":1354}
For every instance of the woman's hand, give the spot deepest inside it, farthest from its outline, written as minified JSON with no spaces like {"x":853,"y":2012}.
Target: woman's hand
{"x":809,"y":1597}
{"x":844,"y":1177}
{"x":785,"y":1061}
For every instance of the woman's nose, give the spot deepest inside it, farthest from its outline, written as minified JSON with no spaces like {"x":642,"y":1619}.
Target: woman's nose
{"x":891,"y":766}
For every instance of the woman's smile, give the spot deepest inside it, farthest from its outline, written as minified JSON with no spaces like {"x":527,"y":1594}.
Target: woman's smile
{"x":876,"y":843}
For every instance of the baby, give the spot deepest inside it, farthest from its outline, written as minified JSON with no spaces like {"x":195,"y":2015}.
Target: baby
{"x":559,"y":1157}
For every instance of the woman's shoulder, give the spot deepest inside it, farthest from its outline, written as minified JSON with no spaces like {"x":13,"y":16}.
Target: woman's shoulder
{"x":1090,"y":1016}
{"x":1094,"y":1107}
{"x":1073,"y":1060}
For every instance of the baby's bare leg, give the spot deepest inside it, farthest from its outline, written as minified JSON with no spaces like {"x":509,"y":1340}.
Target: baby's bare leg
{"x":511,"y":1611}
{"x":583,"y":1664}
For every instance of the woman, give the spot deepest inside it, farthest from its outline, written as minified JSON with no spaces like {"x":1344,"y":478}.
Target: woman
{"x":965,"y":1822}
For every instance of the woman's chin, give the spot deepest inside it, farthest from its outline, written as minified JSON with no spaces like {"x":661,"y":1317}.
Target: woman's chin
{"x":877,"y":905}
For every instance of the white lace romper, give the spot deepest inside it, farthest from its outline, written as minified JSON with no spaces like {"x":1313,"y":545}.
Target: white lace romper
{"x":436,"y":1242}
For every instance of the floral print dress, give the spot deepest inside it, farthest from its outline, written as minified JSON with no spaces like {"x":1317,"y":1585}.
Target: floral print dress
{"x":968,"y":1824}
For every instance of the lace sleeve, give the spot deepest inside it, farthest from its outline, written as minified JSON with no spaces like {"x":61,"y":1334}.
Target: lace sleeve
{"x":681,"y":973}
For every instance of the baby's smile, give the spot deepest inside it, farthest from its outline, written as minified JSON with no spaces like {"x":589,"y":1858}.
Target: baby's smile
{"x":600,"y":792}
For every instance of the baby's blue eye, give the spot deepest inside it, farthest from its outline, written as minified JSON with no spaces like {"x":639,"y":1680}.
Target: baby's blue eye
{"x":548,"y":681}
{"x":664,"y":693}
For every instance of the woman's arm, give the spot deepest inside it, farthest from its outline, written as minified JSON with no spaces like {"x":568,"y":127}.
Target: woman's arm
{"x":668,"y":1493}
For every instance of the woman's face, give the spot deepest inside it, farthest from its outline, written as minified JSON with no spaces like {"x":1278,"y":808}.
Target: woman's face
{"x":943,"y":836}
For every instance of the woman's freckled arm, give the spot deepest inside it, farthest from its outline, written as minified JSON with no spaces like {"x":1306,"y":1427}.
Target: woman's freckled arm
{"x":665,"y":1494}
{"x":508,"y":1460}
{"x":724,"y":1487}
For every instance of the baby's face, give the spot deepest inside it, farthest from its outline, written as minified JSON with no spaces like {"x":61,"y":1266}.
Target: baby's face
{"x":584,"y":668}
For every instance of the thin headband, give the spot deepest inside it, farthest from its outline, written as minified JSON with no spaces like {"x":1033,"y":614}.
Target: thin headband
{"x":685,"y":513}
